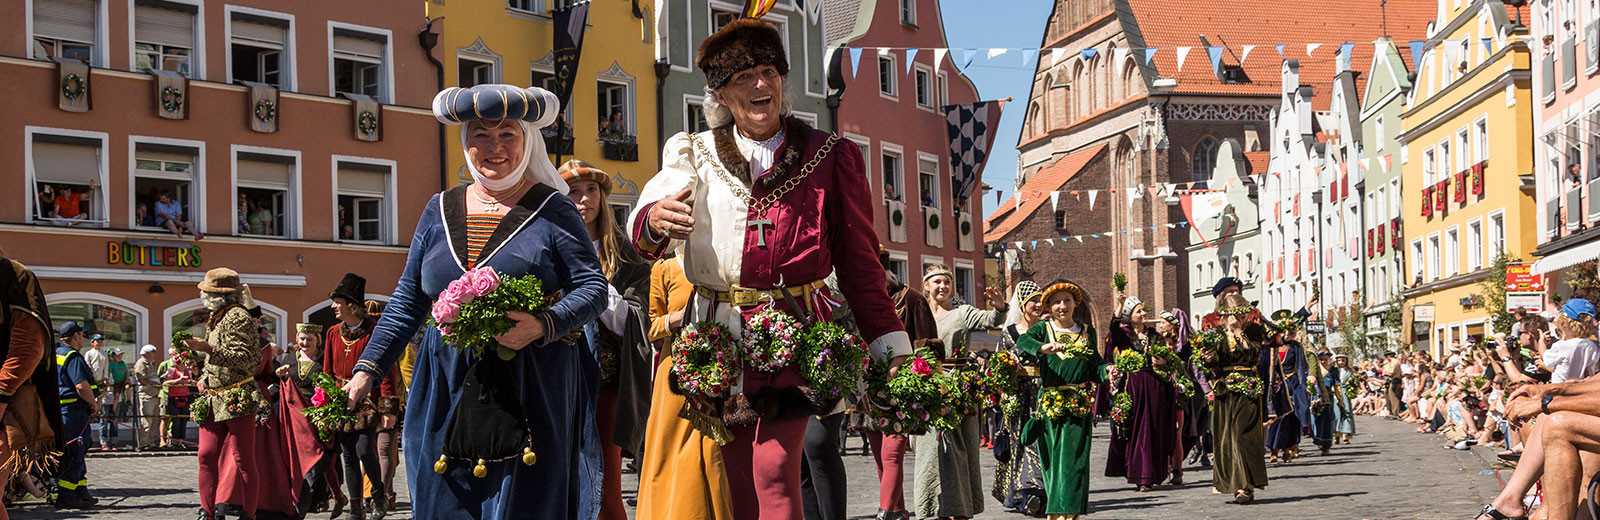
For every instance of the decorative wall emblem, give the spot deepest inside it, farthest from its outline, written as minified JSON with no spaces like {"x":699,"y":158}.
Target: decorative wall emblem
{"x":1218,"y":112}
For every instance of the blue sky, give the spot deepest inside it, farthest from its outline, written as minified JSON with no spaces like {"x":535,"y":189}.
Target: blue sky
{"x":1009,"y":24}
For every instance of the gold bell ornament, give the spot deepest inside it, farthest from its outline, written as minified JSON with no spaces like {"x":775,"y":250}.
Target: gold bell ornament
{"x":528,"y":457}
{"x":440,"y":466}
{"x":480,"y":470}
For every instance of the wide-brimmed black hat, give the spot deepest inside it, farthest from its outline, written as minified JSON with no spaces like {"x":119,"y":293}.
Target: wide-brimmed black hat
{"x":1224,"y":283}
{"x":353,"y":288}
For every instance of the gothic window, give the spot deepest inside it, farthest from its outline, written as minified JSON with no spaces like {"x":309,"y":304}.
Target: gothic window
{"x":1205,"y":159}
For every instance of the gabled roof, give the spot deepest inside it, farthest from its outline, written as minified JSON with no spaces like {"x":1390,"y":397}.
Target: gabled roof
{"x":1037,"y":192}
{"x":1169,"y":24}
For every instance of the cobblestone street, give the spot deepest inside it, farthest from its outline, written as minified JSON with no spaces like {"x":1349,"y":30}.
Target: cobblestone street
{"x":1388,"y":472}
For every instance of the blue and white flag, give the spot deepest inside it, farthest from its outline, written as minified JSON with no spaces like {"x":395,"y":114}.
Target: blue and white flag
{"x":972,"y":129}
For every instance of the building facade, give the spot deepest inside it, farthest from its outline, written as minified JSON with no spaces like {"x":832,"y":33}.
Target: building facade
{"x":283,"y":134}
{"x":610,"y":120}
{"x":1465,"y":150}
{"x":1566,"y":39}
{"x":1289,"y":193}
{"x":1382,"y":102}
{"x":1339,"y":202}
{"x":893,"y":112}
{"x":1224,"y":230}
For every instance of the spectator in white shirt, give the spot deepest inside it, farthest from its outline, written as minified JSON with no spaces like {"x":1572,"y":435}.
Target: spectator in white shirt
{"x":1575,"y":356}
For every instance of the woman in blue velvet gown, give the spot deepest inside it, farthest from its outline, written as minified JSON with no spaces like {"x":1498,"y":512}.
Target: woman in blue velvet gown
{"x":516,"y":219}
{"x":1288,"y":404}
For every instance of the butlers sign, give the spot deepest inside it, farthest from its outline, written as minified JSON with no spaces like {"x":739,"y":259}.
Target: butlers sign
{"x":154,"y":255}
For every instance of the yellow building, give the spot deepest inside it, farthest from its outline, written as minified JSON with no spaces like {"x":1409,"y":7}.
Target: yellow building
{"x":1467,"y":141}
{"x":487,"y":41}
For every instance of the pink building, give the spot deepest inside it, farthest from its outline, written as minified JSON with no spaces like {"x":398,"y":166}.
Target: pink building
{"x":1566,"y":74}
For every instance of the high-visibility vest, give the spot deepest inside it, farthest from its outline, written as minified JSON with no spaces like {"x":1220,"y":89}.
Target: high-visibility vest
{"x":61,"y":363}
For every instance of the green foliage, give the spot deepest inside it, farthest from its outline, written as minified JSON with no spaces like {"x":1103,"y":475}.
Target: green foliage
{"x":831,"y":359}
{"x":332,"y":415}
{"x":1494,"y":294}
{"x":484,"y":317}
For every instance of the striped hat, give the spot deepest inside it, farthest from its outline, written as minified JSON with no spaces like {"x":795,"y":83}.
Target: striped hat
{"x":579,"y":170}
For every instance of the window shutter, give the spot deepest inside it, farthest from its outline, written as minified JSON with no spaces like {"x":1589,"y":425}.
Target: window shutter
{"x":362,"y":181}
{"x":265,"y":174}
{"x":65,"y":163}
{"x":272,"y":35}
{"x":65,"y":19}
{"x":163,"y":26}
{"x":346,"y":46}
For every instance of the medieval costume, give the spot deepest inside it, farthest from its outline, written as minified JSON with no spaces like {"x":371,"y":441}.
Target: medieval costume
{"x":1018,"y":476}
{"x":1073,"y":372}
{"x":33,"y":429}
{"x":358,"y":445}
{"x":230,"y":402}
{"x":289,"y":455}
{"x":1322,"y":396}
{"x":889,"y":450}
{"x":1344,"y":417}
{"x":771,"y":219}
{"x":1143,"y":443}
{"x":682,"y":474}
{"x":949,"y":479}
{"x":1194,"y":411}
{"x":1288,"y":405}
{"x":1237,"y":379}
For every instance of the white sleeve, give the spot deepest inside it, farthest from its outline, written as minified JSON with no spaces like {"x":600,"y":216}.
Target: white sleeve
{"x":677,"y":173}
{"x":615,"y":315}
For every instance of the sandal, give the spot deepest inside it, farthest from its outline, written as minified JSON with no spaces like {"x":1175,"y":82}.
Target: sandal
{"x":1243,"y":496}
{"x":1495,"y":514}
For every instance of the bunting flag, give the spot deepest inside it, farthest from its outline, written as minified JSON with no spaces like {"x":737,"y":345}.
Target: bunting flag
{"x":1088,"y":53}
{"x":1246,"y":54}
{"x":1183,"y":52}
{"x":1345,"y":48}
{"x":995,"y":53}
{"x":1416,"y":50}
{"x":1311,"y":47}
{"x":1027,"y":57}
{"x":966,"y":57}
{"x":1366,"y":162}
{"x":855,"y":61}
{"x":1280,"y":49}
{"x":758,"y":8}
{"x":911,"y":58}
{"x":1119,"y":54}
{"x":1488,"y":45}
{"x":972,"y":128}
{"x":569,"y":24}
{"x":1057,"y":55}
{"x":1055,"y":201}
{"x":1388,"y":161}
{"x":938,"y":57}
{"x":1092,"y":194}
{"x":1215,"y":53}
{"x":1149,"y":54}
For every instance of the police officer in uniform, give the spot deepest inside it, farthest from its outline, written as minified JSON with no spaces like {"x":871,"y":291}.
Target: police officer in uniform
{"x":78,"y":393}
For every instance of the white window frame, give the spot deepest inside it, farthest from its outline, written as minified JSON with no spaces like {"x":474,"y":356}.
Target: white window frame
{"x":386,"y":89}
{"x":1475,"y":245}
{"x":197,"y":201}
{"x":30,"y":195}
{"x":888,"y":148}
{"x":937,"y":174}
{"x":295,"y":213}
{"x":391,"y":229}
{"x":944,"y":90}
{"x":971,"y":286}
{"x":864,"y":144}
{"x":894,"y":77}
{"x":905,"y":266}
{"x":140,"y":313}
{"x":481,"y":53}
{"x":689,"y":100}
{"x":1435,"y":260}
{"x":1464,"y":148}
{"x":197,"y":55}
{"x":547,"y":66}
{"x":1480,"y":127}
{"x":1430,"y":167}
{"x":534,"y":7}
{"x":615,"y":75}
{"x":928,"y":89}
{"x":905,"y":15}
{"x":100,"y":53}
{"x":1451,"y":252}
{"x":1495,"y":235}
{"x":290,"y":54}
{"x":1419,"y":260}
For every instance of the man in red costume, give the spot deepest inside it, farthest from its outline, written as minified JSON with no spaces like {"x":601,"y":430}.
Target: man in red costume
{"x":764,"y":207}
{"x":341,"y":350}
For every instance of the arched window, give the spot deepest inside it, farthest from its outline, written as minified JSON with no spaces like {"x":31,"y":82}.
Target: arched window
{"x":120,"y":322}
{"x":1130,"y":75}
{"x":1080,"y":92}
{"x":1035,"y":120}
{"x":1205,"y":159}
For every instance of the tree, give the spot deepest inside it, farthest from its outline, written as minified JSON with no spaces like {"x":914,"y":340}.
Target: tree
{"x":1494,"y":294}
{"x":1351,"y":335}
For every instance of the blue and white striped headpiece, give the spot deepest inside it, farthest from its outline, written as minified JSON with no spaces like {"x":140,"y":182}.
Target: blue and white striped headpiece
{"x":496,"y":102}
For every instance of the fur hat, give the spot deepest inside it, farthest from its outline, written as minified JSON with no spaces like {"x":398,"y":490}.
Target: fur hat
{"x":353,"y":288}
{"x":221,"y":280}
{"x":745,"y":43}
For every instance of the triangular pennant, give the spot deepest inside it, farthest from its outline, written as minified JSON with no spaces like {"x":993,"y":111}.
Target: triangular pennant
{"x":855,"y":61}
{"x":1027,"y":57}
{"x":1119,"y":54}
{"x":1488,"y":45}
{"x":911,"y":58}
{"x":1154,"y":189}
{"x":1149,"y":54}
{"x":1345,"y":48}
{"x":883,"y":51}
{"x":1092,"y":194}
{"x":1246,"y":54}
{"x":995,"y":53}
{"x":1215,"y":53}
{"x":1088,"y":53}
{"x":1057,"y":54}
{"x":1055,"y":201}
{"x":1183,"y":52}
{"x":1311,"y":47}
{"x":1079,"y":238}
{"x":1388,"y":161}
{"x":966,"y":57}
{"x":1280,"y":49}
{"x":1184,"y":223}
{"x":1366,"y":162}
{"x":938,"y":57}
{"x":1033,"y":244}
{"x":1416,"y":50}
{"x":1049,"y":241}
{"x":1171,"y":225}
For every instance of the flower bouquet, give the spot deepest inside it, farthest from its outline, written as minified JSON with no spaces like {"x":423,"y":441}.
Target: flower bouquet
{"x":1122,"y":408}
{"x":831,"y":359}
{"x":769,"y":340}
{"x":327,"y":411}
{"x":1129,"y":361}
{"x":706,"y":360}
{"x":961,"y":393}
{"x":1207,"y":342}
{"x":1352,"y":386}
{"x":904,"y":404}
{"x":1002,"y":381}
{"x":1057,"y":403}
{"x":1314,"y":392}
{"x":472,"y":309}
{"x":1247,"y":384}
{"x":184,"y":355}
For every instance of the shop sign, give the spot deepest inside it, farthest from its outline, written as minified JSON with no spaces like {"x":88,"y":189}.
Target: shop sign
{"x":1422,"y":313}
{"x":1533,"y":302}
{"x":1520,"y":278}
{"x":1316,"y":327}
{"x":156,"y":255}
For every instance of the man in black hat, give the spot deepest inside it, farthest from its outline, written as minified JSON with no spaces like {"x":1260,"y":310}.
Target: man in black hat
{"x":342,"y":349}
{"x":77,"y":392}
{"x":1230,"y":285}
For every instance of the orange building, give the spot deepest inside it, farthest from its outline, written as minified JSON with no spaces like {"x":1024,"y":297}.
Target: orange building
{"x":280,"y":130}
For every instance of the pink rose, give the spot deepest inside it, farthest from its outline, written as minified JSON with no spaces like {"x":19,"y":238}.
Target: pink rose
{"x":444,"y":330}
{"x":920,"y":366}
{"x":445,"y":310}
{"x":483,"y":282}
{"x":459,"y":291}
{"x":319,"y":398}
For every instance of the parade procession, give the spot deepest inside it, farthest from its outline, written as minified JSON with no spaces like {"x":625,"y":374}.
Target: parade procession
{"x":800,"y":259}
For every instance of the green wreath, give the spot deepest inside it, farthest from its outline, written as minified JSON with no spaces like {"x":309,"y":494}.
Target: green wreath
{"x":73,"y":86}
{"x":171,"y":99}
{"x":266,"y":111}
{"x":966,"y":228}
{"x":933,"y":221}
{"x":367,"y":122}
{"x":899,"y":217}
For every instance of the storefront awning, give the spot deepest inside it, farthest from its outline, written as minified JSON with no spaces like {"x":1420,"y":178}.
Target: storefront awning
{"x":1568,"y":257}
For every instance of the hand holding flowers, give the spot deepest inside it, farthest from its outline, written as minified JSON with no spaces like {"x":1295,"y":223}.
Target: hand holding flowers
{"x":482,"y":308}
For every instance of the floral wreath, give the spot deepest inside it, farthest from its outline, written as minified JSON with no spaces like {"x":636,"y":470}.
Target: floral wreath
{"x":904,"y":404}
{"x":73,"y":86}
{"x":171,"y":99}
{"x":367,"y":122}
{"x":1076,"y":344}
{"x":966,"y":228}
{"x":898,"y":216}
{"x":1002,"y":381}
{"x":1249,"y":385}
{"x":1235,"y":311}
{"x":706,"y":360}
{"x":769,"y":340}
{"x":933,"y":221}
{"x":266,"y":111}
{"x":832,"y":360}
{"x":1058,"y":403}
{"x":1130,"y":361}
{"x":1122,"y":408}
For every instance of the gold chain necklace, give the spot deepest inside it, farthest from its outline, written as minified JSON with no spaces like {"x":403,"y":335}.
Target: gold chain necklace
{"x":761,"y":204}
{"x":348,"y":343}
{"x":492,"y":205}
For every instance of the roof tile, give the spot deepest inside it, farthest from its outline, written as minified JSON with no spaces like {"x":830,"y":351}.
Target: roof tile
{"x":1048,"y":179}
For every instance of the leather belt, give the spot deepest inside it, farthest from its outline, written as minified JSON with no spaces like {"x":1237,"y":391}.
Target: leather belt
{"x":745,"y":296}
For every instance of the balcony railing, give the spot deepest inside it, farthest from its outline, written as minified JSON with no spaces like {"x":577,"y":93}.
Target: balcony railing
{"x":620,"y":148}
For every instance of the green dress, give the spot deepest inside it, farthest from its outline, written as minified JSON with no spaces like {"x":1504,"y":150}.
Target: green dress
{"x":1236,"y":422}
{"x":1063,"y":444}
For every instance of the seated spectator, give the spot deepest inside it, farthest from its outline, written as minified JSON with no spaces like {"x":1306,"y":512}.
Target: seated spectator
{"x":142,"y":216}
{"x":68,"y":204}
{"x":618,"y":127}
{"x":169,"y":214}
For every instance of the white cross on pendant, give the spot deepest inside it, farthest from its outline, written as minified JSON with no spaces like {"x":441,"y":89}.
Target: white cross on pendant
{"x":761,"y":230}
